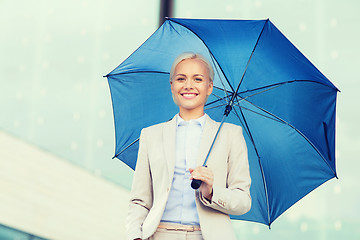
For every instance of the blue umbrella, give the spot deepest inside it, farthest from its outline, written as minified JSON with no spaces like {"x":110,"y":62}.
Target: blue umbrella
{"x":284,"y":104}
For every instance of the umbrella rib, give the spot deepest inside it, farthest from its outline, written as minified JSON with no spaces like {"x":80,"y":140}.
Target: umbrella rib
{"x":272,"y":87}
{"x":217,"y":100}
{"x":115,"y":74}
{"x":263,"y":115}
{"x":283,"y":83}
{"x":248,"y":62}
{"x":247,"y":129}
{"x":227,"y":91}
{"x":221,"y":105}
{"x":260,"y":165}
{"x":297,"y":130}
{"x":269,"y":87}
{"x":136,"y":140}
{"x":222,"y":83}
{"x":132,"y":143}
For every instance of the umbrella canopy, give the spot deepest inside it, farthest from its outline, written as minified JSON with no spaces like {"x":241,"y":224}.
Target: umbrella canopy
{"x":284,"y":104}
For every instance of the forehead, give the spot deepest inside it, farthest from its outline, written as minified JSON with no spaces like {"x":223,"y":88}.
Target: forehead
{"x":192,"y":65}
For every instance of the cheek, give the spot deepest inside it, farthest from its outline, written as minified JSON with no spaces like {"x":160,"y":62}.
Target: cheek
{"x":174,"y":87}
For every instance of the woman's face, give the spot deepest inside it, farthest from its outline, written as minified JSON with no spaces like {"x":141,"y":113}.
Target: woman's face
{"x":191,"y":86}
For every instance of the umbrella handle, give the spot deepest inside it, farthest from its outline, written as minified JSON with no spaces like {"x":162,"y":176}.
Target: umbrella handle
{"x":195,"y":183}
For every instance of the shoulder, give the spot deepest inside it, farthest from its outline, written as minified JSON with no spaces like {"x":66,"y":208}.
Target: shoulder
{"x":232,"y":131}
{"x":232,"y":126}
{"x":158,"y":127}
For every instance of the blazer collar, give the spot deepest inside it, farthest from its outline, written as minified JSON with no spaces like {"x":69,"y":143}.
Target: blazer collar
{"x":169,"y":136}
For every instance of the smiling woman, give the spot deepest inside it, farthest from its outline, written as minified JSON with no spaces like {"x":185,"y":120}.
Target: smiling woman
{"x":162,"y":203}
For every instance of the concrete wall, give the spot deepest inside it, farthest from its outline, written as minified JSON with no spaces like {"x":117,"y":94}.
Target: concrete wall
{"x":49,"y":197}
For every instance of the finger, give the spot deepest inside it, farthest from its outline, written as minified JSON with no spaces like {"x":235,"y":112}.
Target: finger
{"x":196,"y":176}
{"x":195,"y":171}
{"x":202,"y":172}
{"x":206,"y":172}
{"x":208,"y":178}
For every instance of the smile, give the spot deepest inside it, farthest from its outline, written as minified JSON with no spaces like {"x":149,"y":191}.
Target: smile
{"x":188,"y":95}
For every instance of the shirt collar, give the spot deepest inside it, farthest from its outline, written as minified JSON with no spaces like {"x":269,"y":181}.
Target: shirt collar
{"x":200,"y":121}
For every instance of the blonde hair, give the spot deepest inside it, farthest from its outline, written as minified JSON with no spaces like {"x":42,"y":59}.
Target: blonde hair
{"x":191,"y":55}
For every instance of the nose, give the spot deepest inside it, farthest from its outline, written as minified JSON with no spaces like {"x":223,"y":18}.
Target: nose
{"x":188,"y":84}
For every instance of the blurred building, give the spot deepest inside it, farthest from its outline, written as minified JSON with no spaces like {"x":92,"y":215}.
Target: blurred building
{"x":45,"y":197}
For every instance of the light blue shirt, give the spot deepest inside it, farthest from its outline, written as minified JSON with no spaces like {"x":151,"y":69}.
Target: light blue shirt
{"x":181,"y":206}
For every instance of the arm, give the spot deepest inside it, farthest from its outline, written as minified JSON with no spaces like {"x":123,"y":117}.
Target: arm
{"x":235,"y":197}
{"x":141,"y":193}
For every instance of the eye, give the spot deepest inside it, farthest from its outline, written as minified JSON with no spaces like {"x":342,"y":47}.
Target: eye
{"x":180,"y":79}
{"x":198,"y":79}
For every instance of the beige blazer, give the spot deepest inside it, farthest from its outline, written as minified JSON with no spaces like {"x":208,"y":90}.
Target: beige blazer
{"x":154,"y":174}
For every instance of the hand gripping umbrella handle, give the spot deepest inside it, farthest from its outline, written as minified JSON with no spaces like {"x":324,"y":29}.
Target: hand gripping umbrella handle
{"x":195,"y":183}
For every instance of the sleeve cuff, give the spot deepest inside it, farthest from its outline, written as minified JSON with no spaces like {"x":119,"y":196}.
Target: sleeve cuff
{"x":206,"y":201}
{"x":216,"y":200}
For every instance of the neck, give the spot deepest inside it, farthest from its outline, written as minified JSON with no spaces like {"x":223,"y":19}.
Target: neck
{"x":190,"y":115}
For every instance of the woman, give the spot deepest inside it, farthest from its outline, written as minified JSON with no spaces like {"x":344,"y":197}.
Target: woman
{"x":162,"y":204}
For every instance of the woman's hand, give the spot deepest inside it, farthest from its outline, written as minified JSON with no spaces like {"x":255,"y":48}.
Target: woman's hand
{"x":207,"y":177}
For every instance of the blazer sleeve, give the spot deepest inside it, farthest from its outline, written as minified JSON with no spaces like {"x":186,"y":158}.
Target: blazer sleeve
{"x":235,"y":198}
{"x":141,"y":197}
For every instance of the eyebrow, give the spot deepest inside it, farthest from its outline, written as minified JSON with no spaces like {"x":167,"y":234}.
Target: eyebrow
{"x":199,"y":75}
{"x":180,"y":74}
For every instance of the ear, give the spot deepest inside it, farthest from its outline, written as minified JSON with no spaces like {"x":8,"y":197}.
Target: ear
{"x":171,"y":83}
{"x":211,"y":84}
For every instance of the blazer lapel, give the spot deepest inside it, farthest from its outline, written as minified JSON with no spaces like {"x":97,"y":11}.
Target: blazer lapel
{"x":209,"y":132}
{"x":169,"y":136}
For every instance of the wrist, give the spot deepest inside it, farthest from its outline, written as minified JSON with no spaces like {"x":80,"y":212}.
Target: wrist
{"x":209,"y":196}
